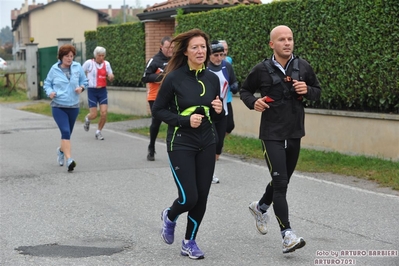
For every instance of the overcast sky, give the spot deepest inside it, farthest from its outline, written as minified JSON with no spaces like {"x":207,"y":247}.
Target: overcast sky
{"x":7,"y":5}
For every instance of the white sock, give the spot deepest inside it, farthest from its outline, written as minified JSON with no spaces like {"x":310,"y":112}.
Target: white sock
{"x":87,"y":119}
{"x":284,"y":232}
{"x":98,"y":131}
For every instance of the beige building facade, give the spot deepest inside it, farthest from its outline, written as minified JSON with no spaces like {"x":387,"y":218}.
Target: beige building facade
{"x":45,"y":23}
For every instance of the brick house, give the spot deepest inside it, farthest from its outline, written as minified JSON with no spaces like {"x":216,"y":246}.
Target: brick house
{"x":159,"y":19}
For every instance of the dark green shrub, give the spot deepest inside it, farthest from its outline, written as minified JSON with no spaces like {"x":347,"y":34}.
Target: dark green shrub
{"x":352,"y":46}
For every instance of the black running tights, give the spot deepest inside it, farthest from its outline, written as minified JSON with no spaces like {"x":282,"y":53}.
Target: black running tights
{"x":220,"y":127}
{"x":230,"y":118}
{"x":281,"y":158}
{"x":192,"y":172}
{"x":154,"y":127}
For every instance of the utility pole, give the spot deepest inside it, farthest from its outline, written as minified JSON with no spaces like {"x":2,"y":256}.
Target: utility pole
{"x":124,"y":12}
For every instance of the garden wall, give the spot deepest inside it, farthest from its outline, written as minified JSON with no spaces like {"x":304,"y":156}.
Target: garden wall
{"x":354,"y":133}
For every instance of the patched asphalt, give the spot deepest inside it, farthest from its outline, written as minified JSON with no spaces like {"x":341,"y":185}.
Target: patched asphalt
{"x":107,"y":211}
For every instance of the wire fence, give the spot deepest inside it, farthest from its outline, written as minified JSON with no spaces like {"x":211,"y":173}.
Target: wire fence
{"x":80,"y":52}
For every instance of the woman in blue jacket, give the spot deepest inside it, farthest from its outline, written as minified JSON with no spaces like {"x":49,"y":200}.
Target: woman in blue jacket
{"x":63,"y":84}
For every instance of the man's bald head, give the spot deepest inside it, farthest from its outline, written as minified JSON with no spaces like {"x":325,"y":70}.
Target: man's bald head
{"x":282,"y":43}
{"x":277,"y":30}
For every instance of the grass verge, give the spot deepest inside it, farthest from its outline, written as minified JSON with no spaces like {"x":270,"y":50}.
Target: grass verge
{"x":16,"y":95}
{"x":44,"y":108}
{"x":385,"y":173}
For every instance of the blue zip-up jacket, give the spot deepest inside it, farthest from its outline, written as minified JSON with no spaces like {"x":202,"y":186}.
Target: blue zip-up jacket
{"x":65,"y":89}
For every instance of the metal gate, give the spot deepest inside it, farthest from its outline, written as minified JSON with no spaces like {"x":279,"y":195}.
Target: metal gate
{"x":80,"y":52}
{"x":46,"y":57}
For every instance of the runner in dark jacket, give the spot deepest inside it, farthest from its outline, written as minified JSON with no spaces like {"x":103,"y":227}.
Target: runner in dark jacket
{"x":283,"y":81}
{"x":285,"y":117}
{"x":153,"y":76}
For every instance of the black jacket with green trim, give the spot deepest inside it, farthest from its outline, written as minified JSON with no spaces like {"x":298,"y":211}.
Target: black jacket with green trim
{"x":182,"y":93}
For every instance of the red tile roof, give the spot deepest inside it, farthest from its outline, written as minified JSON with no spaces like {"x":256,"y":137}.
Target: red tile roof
{"x":30,"y":7}
{"x":116,"y":11}
{"x":179,"y":3}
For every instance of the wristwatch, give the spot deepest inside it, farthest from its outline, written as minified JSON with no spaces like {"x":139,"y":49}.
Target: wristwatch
{"x":83,"y":88}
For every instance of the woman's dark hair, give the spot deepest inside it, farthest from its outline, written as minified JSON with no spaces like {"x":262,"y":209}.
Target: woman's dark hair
{"x":181,"y":44}
{"x":65,"y":49}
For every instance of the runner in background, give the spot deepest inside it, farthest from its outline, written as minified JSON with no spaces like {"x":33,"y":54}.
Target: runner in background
{"x":97,"y":70}
{"x":153,"y":75}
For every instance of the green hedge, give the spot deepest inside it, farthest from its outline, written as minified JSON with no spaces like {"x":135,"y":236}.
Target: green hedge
{"x":125,"y":44}
{"x":90,"y":43}
{"x":353,"y":46}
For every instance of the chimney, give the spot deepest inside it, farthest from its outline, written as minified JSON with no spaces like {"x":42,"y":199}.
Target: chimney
{"x":34,"y":2}
{"x":110,"y":11}
{"x":77,"y":1}
{"x":14,"y":13}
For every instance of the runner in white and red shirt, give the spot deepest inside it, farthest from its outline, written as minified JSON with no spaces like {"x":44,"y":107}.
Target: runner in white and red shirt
{"x":97,"y":70}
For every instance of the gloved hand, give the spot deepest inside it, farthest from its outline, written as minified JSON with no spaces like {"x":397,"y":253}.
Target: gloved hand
{"x":234,"y":87}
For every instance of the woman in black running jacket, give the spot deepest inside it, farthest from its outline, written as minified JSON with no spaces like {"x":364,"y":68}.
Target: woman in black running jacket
{"x":188,"y":101}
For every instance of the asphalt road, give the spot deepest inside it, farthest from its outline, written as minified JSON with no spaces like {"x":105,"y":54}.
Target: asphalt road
{"x":107,"y":212}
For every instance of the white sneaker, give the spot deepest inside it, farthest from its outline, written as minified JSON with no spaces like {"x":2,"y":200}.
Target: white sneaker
{"x":60,"y":157}
{"x":261,"y":218}
{"x":86,"y":125}
{"x":215,"y":180}
{"x":291,"y":242}
{"x":99,"y":136}
{"x":71,"y":164}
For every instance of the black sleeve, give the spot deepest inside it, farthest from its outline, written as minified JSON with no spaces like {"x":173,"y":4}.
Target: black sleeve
{"x":162,"y":106}
{"x":251,"y":84}
{"x":233,"y":83}
{"x":215,"y":116}
{"x":150,"y":73}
